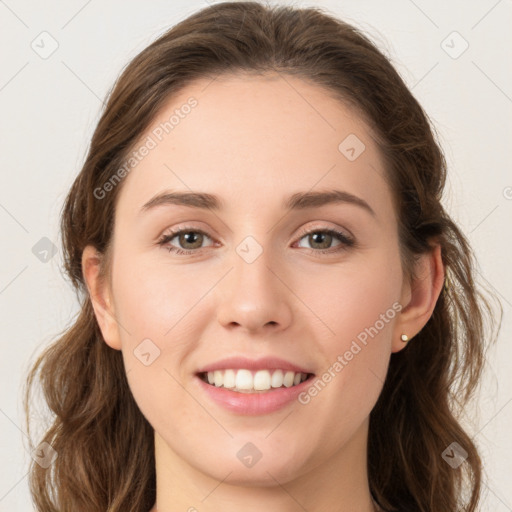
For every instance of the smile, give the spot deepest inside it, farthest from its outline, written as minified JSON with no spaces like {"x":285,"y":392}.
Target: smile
{"x":247,"y":381}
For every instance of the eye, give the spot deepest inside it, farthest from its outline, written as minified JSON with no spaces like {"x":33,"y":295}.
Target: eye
{"x":191,"y":239}
{"x":322,"y":239}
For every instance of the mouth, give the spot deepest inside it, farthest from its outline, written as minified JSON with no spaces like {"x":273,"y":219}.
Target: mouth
{"x":254,"y":381}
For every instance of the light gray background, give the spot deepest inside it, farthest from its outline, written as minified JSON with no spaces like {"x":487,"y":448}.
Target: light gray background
{"x":49,"y":108}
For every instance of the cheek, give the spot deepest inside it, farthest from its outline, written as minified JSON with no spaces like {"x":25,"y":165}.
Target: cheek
{"x":156,"y":299}
{"x":353,"y":300}
{"x":359,"y":307}
{"x":160,"y":309}
{"x":158,"y":306}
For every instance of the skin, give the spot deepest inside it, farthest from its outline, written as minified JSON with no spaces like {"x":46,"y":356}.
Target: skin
{"x":253,"y":141}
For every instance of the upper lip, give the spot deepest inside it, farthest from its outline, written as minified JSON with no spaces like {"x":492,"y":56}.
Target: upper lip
{"x":264,"y":363}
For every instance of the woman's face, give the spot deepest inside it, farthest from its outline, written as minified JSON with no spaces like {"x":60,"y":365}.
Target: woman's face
{"x":253,"y":283}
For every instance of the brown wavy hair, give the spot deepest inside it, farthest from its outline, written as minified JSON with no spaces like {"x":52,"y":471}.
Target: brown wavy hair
{"x":105,"y":445}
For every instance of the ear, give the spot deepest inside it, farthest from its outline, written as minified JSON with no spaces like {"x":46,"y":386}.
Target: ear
{"x":419,"y":297}
{"x":101,"y":297}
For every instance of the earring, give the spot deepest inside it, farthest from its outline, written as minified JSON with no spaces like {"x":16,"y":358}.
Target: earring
{"x":404,"y":338}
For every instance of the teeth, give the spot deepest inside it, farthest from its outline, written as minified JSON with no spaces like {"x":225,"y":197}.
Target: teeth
{"x":277,"y":379}
{"x":288,"y":379}
{"x":243,"y":380}
{"x":262,"y":380}
{"x":229,"y":379}
{"x":247,"y":381}
{"x":218,"y":378}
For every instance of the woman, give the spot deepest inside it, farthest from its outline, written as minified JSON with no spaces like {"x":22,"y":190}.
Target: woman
{"x":277,"y":312}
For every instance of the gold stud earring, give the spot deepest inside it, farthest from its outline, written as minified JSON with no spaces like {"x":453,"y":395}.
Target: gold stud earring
{"x":404,"y":338}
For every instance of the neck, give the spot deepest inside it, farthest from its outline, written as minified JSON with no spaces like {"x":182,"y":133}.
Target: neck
{"x":338,"y":484}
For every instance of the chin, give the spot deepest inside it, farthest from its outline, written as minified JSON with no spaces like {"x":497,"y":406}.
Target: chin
{"x":265,"y":472}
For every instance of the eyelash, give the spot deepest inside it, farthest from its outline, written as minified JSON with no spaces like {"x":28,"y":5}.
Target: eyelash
{"x":346,"y":242}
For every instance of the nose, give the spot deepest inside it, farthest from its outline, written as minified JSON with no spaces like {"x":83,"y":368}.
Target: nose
{"x":254,"y":296}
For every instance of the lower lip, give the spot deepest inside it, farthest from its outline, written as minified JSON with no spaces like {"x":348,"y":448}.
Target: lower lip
{"x":253,"y":403}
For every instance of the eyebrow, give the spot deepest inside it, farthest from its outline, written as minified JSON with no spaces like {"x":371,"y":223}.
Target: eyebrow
{"x":297,"y":201}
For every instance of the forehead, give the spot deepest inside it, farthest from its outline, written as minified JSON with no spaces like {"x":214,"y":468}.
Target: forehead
{"x":253,"y":139}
